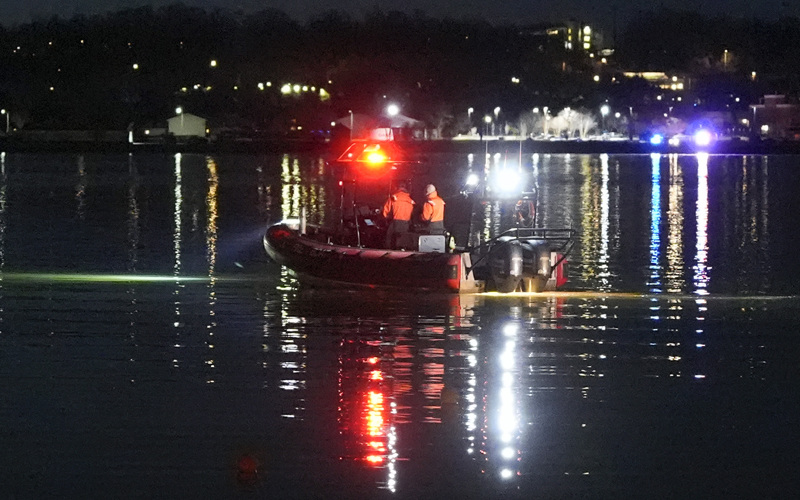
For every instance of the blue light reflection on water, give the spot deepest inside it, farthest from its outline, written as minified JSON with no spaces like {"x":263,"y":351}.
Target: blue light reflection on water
{"x":157,"y":388}
{"x":655,"y":225}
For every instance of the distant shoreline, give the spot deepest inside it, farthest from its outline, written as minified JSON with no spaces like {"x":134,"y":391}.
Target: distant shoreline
{"x":434,"y":146}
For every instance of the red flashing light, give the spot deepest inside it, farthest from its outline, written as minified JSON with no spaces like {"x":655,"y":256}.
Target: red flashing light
{"x":373,"y":152}
{"x":375,"y":159}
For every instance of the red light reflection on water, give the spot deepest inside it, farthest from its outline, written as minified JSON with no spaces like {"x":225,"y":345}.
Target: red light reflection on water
{"x":375,"y":419}
{"x":365,"y":413}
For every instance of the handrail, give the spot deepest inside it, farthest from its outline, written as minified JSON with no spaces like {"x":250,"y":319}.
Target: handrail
{"x":539,"y":233}
{"x":566,"y":234}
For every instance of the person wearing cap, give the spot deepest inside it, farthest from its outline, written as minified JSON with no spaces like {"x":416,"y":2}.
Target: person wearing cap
{"x":433,"y":211}
{"x":397,"y":210}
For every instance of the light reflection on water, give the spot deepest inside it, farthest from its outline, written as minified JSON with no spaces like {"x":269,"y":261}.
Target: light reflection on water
{"x":157,"y":388}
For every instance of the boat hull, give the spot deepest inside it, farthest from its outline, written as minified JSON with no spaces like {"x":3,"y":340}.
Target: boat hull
{"x":320,"y":263}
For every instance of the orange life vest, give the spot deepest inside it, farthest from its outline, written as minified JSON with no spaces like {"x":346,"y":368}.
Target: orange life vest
{"x":433,"y":211}
{"x":399,"y":206}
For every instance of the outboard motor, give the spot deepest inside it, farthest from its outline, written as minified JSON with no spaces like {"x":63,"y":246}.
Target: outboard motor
{"x":536,"y":268}
{"x":506,"y":265}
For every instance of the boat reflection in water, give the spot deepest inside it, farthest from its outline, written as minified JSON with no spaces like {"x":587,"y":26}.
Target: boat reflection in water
{"x":366,"y":407}
{"x":481,"y":394}
{"x":450,"y":380}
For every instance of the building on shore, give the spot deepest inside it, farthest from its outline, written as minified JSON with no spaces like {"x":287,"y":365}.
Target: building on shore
{"x":187,"y":126}
{"x":774,"y":117}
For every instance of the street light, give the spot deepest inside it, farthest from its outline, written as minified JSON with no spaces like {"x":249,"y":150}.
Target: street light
{"x":179,"y":111}
{"x":487,"y":120}
{"x":351,"y":123}
{"x":392,"y":110}
{"x":604,"y":109}
{"x":496,"y":115}
{"x":8,"y":124}
{"x":546,"y":121}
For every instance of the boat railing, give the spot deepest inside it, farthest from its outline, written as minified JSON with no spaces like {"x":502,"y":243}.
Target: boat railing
{"x":564,"y":238}
{"x":537,"y":233}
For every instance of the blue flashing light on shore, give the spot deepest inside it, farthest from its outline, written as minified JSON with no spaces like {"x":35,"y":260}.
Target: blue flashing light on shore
{"x":656,"y":139}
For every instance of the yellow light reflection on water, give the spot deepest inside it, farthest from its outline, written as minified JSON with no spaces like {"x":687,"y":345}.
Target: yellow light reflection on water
{"x":597,"y":233}
{"x":95,"y":278}
{"x":626,"y":295}
{"x":675,"y":216}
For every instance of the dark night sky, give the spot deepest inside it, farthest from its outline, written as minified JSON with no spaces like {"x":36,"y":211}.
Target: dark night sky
{"x":517,"y":11}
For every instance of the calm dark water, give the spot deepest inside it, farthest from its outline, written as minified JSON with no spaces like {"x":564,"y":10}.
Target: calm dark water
{"x":213,"y":375}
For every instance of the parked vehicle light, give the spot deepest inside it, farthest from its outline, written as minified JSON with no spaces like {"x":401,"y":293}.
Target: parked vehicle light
{"x":702,"y":137}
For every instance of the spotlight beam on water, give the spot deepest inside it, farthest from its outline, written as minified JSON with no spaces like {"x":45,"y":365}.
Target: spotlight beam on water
{"x":95,"y":278}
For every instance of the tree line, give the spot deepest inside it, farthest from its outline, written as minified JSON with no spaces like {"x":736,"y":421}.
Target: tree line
{"x":136,"y":66}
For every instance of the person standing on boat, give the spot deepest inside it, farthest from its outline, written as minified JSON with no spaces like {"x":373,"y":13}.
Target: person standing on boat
{"x":433,"y":211}
{"x":397,"y":210}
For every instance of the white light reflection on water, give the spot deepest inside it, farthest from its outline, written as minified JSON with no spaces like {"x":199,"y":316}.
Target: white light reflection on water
{"x":604,"y":274}
{"x":654,"y":284}
{"x":211,"y":258}
{"x":701,"y":269}
{"x":176,"y":242}
{"x":470,"y":397}
{"x":506,"y":428}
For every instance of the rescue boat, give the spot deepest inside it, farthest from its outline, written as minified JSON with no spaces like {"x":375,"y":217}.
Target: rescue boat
{"x":521,"y":258}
